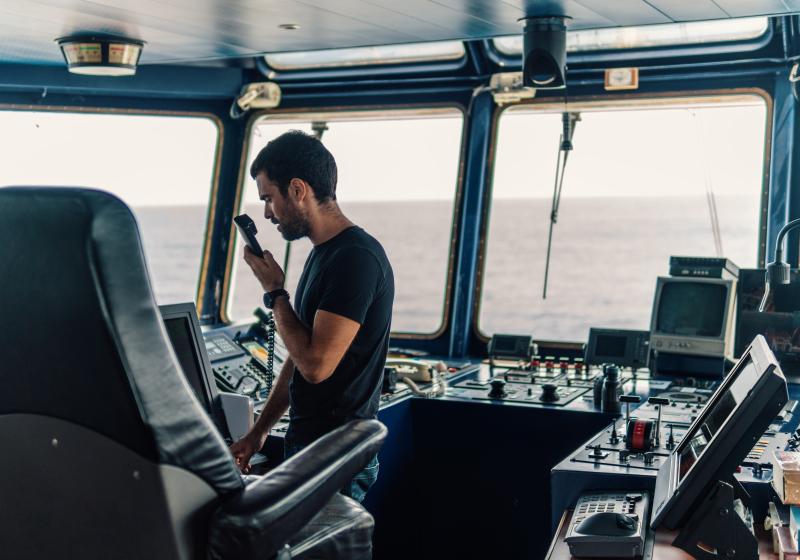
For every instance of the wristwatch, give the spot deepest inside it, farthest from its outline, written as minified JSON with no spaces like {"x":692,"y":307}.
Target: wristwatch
{"x":271,"y":297}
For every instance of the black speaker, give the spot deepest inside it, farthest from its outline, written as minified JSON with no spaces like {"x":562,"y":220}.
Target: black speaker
{"x":544,"y":56}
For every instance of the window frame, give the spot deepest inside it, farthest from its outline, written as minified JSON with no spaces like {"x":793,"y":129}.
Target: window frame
{"x":211,"y":207}
{"x":610,"y":102}
{"x":298,"y":114}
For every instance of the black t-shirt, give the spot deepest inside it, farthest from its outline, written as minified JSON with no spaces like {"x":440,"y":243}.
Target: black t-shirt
{"x":348,"y":275}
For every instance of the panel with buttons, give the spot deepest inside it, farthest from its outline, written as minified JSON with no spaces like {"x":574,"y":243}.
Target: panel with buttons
{"x":609,"y":524}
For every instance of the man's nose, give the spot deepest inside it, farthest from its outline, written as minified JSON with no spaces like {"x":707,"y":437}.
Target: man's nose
{"x":268,"y":213}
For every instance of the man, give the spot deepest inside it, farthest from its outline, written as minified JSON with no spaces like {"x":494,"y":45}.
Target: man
{"x":337,"y":334}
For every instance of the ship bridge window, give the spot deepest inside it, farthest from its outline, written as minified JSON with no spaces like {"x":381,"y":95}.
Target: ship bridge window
{"x":647,"y":36}
{"x":161,"y":166}
{"x":365,"y":56}
{"x":643,"y":182}
{"x":398,"y":174}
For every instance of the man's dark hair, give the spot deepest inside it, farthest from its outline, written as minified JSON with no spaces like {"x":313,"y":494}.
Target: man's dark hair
{"x":297,"y":154}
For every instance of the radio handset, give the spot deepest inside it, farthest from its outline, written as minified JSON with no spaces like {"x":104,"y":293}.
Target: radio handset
{"x":247,"y":228}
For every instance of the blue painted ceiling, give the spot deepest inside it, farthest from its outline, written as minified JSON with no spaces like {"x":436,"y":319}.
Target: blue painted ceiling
{"x":181,"y":31}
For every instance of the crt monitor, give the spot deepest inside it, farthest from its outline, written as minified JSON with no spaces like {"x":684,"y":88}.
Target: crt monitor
{"x":183,"y":328}
{"x":779,"y":324}
{"x":735,"y":417}
{"x":693,"y":316}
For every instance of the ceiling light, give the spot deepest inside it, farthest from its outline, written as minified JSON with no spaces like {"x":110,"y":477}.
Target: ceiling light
{"x":97,"y":55}
{"x":290,"y":26}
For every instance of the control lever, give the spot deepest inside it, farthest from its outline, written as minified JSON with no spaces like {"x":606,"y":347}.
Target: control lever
{"x":628,"y":400}
{"x":614,"y":439}
{"x":659,"y":402}
{"x":671,"y":440}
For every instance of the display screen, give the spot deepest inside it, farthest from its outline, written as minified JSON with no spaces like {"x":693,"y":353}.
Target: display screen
{"x":180,"y":334}
{"x":610,"y":346}
{"x":779,"y":324}
{"x":714,"y":416}
{"x":691,"y":309}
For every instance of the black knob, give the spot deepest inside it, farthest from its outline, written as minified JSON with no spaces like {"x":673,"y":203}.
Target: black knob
{"x":549,"y":393}
{"x":498,"y":390}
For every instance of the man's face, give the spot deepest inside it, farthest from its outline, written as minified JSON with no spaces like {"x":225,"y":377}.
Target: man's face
{"x":282,"y":211}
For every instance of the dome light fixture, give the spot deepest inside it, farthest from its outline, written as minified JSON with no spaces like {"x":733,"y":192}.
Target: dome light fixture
{"x":101,"y":55}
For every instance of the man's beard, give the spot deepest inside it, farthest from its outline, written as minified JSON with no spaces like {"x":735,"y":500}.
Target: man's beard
{"x":294,"y":226}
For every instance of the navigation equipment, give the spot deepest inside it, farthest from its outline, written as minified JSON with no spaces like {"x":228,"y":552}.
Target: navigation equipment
{"x":736,"y":416}
{"x":183,"y":328}
{"x":779,"y":324}
{"x":625,"y":348}
{"x":693,"y":316}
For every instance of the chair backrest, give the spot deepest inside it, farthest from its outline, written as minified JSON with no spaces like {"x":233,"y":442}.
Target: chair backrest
{"x":84,"y":354}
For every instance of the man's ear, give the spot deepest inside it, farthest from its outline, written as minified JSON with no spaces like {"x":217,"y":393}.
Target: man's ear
{"x":299,"y":190}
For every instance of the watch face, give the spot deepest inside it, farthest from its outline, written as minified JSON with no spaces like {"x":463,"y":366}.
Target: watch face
{"x":267,"y":300}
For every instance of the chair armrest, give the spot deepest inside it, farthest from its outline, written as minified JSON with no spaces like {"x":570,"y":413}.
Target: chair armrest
{"x":256,"y":522}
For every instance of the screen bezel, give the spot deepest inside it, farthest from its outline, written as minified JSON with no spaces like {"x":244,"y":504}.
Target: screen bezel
{"x":726,"y":318}
{"x":593,"y":358}
{"x":675,"y":498}
{"x":187,"y":312}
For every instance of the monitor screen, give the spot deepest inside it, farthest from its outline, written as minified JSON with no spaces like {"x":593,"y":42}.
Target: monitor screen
{"x":738,"y":413}
{"x":623,"y":347}
{"x":696,"y":441}
{"x":692,"y":309}
{"x":183,"y":329}
{"x":779,"y":324}
{"x":610,"y":345}
{"x":180,"y":334}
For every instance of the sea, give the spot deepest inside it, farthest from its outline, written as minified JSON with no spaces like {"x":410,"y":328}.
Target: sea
{"x":605,"y":258}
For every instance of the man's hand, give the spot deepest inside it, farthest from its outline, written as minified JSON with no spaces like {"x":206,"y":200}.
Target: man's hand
{"x":266,"y":270}
{"x":244,"y":449}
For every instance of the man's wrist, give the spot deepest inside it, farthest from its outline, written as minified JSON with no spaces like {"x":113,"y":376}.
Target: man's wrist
{"x":272,"y":296}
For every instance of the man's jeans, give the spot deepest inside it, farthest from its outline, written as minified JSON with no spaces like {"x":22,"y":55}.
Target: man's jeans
{"x":358,"y":486}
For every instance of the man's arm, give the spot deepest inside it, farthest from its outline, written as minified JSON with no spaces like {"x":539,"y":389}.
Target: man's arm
{"x":315,"y":352}
{"x":274,"y":408}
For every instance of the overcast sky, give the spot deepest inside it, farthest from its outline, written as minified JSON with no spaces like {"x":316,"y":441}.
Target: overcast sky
{"x":169,"y":160}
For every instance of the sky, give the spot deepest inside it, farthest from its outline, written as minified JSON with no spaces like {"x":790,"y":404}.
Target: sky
{"x":162,"y":160}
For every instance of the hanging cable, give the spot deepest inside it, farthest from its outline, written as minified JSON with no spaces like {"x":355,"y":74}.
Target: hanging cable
{"x":711,"y":200}
{"x":568,"y":121}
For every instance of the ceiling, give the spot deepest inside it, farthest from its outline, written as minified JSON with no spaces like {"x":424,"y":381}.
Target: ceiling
{"x":198,"y":30}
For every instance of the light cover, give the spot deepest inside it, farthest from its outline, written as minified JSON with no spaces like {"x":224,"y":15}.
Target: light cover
{"x":101,"y":55}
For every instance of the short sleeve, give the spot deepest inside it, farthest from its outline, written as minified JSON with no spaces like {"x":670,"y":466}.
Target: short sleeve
{"x":351,"y":283}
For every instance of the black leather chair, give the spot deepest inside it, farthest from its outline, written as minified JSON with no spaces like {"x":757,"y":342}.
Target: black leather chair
{"x":104,"y":451}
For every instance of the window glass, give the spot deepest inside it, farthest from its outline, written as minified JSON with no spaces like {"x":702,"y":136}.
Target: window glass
{"x":397,"y":180}
{"x":162,"y":167}
{"x":362,"y":56}
{"x":642,"y":183}
{"x":636,"y":37}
